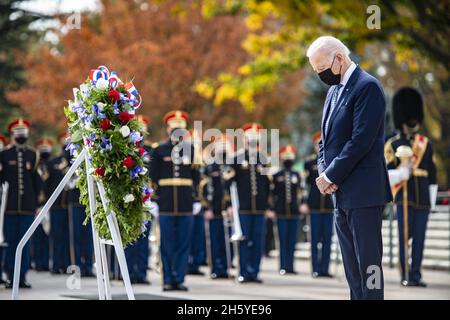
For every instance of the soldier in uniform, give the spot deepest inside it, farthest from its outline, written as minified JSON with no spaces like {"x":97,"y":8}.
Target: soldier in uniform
{"x":253,"y":187}
{"x":80,"y":242}
{"x":215,"y":198}
{"x":175,"y":178}
{"x":137,"y":254}
{"x":3,"y":144}
{"x":40,"y":243}
{"x":286,"y":191}
{"x":197,"y":254}
{"x":421,"y":185}
{"x":18,"y":164}
{"x":320,"y":208}
{"x":59,"y":216}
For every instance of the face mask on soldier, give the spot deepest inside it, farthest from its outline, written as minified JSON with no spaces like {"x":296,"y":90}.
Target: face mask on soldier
{"x":45,"y":155}
{"x":21,"y":139}
{"x":288,"y":163}
{"x":411,"y":127}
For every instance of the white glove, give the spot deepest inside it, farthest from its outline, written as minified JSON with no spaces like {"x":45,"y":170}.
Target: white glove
{"x":196,"y":207}
{"x":433,"y":188}
{"x":398,"y":175}
{"x":46,"y":224}
{"x":155,"y":209}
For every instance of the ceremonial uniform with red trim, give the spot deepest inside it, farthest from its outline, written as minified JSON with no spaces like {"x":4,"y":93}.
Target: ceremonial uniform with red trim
{"x":423,"y":175}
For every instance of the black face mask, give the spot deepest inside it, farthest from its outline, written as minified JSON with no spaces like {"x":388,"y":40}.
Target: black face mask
{"x":45,"y":155}
{"x":288,"y":164}
{"x":21,"y":139}
{"x":328,"y":77}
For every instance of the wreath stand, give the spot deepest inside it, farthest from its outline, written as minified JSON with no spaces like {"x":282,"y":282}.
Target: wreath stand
{"x":101,"y":262}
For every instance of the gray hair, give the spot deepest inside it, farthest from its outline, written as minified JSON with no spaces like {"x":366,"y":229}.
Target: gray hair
{"x":329,"y":45}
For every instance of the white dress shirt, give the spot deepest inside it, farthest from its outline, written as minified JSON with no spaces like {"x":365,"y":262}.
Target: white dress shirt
{"x":344,"y":81}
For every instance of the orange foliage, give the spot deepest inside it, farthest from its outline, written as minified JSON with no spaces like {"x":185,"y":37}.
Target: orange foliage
{"x":164,"y":53}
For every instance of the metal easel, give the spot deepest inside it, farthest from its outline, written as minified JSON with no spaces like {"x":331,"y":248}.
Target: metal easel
{"x":101,"y":263}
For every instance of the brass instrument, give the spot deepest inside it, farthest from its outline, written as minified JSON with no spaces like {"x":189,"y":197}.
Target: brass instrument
{"x":405,"y":153}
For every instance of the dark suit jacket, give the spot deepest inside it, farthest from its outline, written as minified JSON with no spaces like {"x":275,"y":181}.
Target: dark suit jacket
{"x":352,"y":150}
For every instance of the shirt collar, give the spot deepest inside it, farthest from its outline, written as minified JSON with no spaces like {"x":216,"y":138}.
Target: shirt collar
{"x":348,"y":73}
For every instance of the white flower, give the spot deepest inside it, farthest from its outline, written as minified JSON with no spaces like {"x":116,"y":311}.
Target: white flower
{"x":144,"y":171}
{"x":102,"y":84}
{"x":125,"y":131}
{"x":75,"y":92}
{"x":128,"y":198}
{"x":84,"y":90}
{"x":101,"y":105}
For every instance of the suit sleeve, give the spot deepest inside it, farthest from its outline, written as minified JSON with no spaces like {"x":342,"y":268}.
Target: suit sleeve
{"x":368,"y":116}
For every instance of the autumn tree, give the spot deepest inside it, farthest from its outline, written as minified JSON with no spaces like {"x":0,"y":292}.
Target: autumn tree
{"x":410,"y":47}
{"x":166,"y":46}
{"x":15,"y":37}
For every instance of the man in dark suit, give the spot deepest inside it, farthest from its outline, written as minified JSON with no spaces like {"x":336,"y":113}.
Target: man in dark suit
{"x":351,"y":163}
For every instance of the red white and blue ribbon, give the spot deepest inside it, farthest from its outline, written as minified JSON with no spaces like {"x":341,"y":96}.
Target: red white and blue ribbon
{"x":102,"y":72}
{"x":131,"y":89}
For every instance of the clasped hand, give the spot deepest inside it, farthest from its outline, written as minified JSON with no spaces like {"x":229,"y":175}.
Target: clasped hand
{"x":324,"y":186}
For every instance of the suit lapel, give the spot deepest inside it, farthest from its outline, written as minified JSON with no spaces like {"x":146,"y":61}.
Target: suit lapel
{"x":343,"y":97}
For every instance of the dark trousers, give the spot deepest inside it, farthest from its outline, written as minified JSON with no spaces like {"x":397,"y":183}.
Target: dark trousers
{"x":287,"y":233}
{"x":197,"y":254}
{"x":417,"y":226}
{"x":359,"y":234}
{"x":250,"y":249}
{"x":137,"y":255}
{"x":40,"y":249}
{"x":15,"y":227}
{"x":82,"y":240}
{"x":59,"y":234}
{"x":321,"y":232}
{"x":218,"y":247}
{"x":176,"y":235}
{"x":268,"y":241}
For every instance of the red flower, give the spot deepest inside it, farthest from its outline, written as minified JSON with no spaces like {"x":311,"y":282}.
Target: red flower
{"x":125,"y":117}
{"x":105,"y":124}
{"x":146,"y":197}
{"x":141,"y":151}
{"x":114,"y":95}
{"x":100,"y":171}
{"x":128,"y":162}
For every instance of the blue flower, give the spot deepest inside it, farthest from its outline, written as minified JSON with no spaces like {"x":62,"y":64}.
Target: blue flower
{"x":146,"y":189}
{"x":72,"y":147}
{"x":96,"y":110}
{"x":135,"y":137}
{"x":105,"y":145}
{"x":135,"y":172}
{"x":115,"y":108}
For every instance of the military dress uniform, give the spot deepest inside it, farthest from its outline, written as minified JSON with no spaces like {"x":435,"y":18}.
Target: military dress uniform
{"x":253,"y":192}
{"x":137,"y":254}
{"x":62,"y":246}
{"x":321,"y":211}
{"x":214,"y":190}
{"x":40,"y":241}
{"x":18,"y":164}
{"x":408,"y":114}
{"x":197,"y":252}
{"x":3,"y":144}
{"x":174,"y":184}
{"x":286,"y":191}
